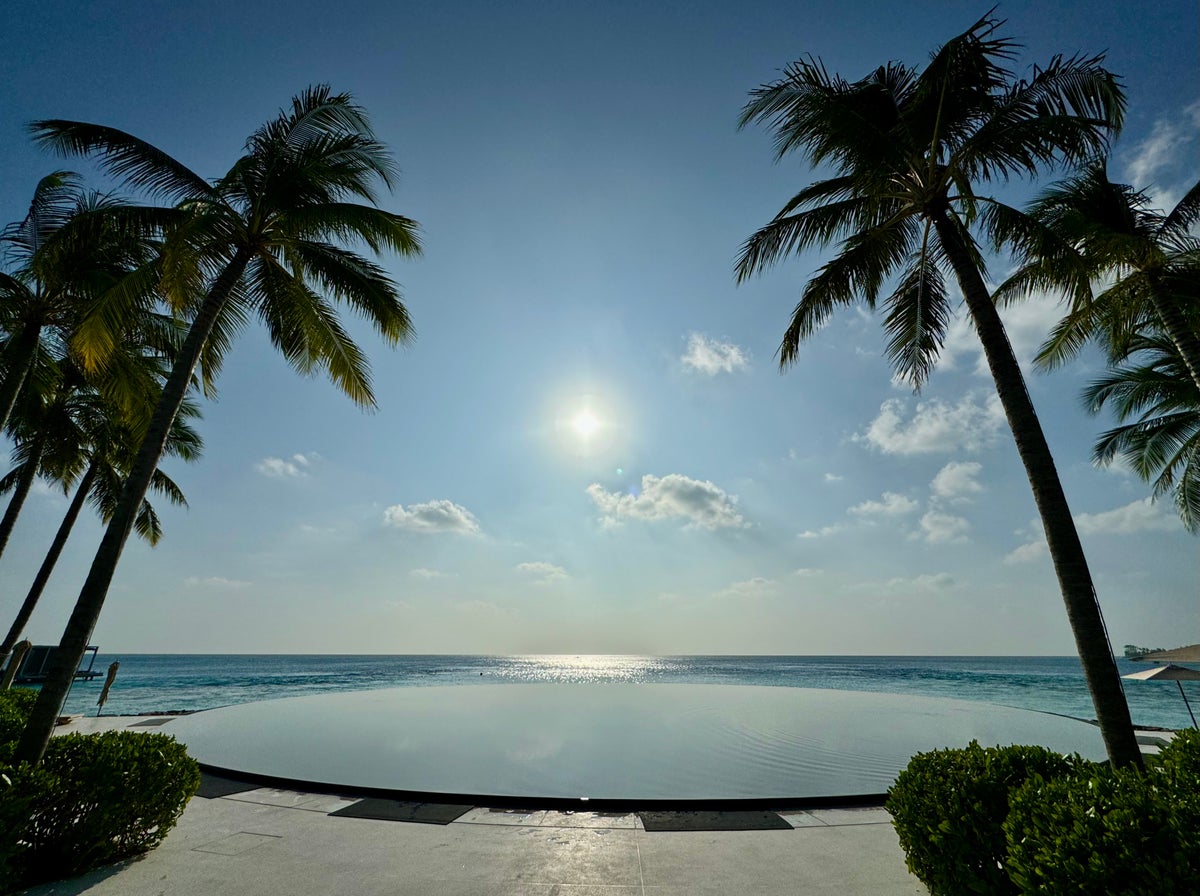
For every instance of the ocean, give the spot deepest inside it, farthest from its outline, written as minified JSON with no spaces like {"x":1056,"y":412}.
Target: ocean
{"x":150,"y":683}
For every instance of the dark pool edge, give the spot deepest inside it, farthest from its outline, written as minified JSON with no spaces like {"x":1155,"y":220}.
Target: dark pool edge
{"x":609,"y":804}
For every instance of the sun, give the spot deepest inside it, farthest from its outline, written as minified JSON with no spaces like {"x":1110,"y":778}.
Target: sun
{"x":586,"y":424}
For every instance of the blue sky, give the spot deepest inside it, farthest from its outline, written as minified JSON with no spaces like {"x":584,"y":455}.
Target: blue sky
{"x":589,"y":446}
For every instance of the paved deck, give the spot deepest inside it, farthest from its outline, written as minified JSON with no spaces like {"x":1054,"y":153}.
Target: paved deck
{"x":270,"y":841}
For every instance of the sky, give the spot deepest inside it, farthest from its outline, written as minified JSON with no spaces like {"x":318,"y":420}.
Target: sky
{"x":589,"y":446}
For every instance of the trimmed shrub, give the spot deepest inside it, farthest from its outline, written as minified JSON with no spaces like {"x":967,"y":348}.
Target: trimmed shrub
{"x":15,"y":706}
{"x":1111,"y":831}
{"x":19,"y":787}
{"x":949,"y":807}
{"x":1180,"y":758}
{"x":93,"y":800}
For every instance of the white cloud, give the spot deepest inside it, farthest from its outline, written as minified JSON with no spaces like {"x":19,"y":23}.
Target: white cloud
{"x":925,"y":582}
{"x":806,"y":572}
{"x":700,"y":503}
{"x":423,"y":573}
{"x":822,"y":532}
{"x":1027,"y":553}
{"x":935,"y":426}
{"x":1027,"y":323}
{"x":216,"y":582}
{"x":833,"y":477}
{"x":891,"y":504}
{"x":938,"y":527}
{"x":755,"y":587}
{"x":710,"y":356}
{"x":1152,"y":160}
{"x":294,"y":467}
{"x":956,"y":482}
{"x":1140,"y":516}
{"x":432,"y":516}
{"x":543,"y":573}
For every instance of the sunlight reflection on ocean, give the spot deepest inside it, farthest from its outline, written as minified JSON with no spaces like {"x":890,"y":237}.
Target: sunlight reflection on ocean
{"x":160,"y":682}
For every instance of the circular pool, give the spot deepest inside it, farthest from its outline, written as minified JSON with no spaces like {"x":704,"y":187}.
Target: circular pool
{"x":609,"y":743}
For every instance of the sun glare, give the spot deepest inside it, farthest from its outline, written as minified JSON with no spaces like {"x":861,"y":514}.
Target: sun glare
{"x":586,"y":424}
{"x":587,"y":427}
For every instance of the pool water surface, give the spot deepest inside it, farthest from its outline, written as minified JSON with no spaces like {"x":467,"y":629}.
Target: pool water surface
{"x":622,"y":743}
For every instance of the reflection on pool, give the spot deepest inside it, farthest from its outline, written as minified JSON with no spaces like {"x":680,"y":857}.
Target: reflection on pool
{"x":621,"y":742}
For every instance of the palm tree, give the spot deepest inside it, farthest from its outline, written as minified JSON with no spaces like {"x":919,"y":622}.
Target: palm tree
{"x":105,"y":441}
{"x":1104,"y":231}
{"x":907,"y":148}
{"x":258,"y":241}
{"x":27,"y":304}
{"x":45,"y":444}
{"x":1162,"y":443}
{"x":64,"y":256}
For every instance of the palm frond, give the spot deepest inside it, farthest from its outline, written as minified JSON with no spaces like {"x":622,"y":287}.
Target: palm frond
{"x":104,"y":322}
{"x":849,"y":125}
{"x":792,"y":233}
{"x":1187,"y":491}
{"x":1067,"y":112}
{"x":166,"y":486}
{"x":859,"y":270}
{"x":1180,"y":222}
{"x":147,"y":525}
{"x":350,"y":278}
{"x":55,"y":200}
{"x":1049,"y":262}
{"x":917,"y":318}
{"x":233,"y":319}
{"x":317,"y":114}
{"x":134,"y":162}
{"x":351,"y":222}
{"x":306,"y":330}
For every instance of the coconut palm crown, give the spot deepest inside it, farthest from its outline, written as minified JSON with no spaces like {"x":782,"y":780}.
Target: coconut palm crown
{"x":1158,"y":406}
{"x":263,"y":240}
{"x":61,"y":258}
{"x":1109,"y":232}
{"x":907,"y":149}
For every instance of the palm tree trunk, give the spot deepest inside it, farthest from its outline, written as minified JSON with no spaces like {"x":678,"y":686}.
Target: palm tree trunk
{"x":95,"y":588}
{"x":1070,"y":564}
{"x":47,"y":567}
{"x":17,"y":363}
{"x":21,"y":491}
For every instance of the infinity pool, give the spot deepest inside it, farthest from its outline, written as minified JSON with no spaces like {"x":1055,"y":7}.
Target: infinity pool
{"x":610,"y":742}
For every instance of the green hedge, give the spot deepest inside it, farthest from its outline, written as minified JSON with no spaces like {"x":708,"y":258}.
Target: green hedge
{"x":15,"y":706}
{"x":1023,"y":820}
{"x":949,"y":808}
{"x":94,"y":799}
{"x":1180,"y":759}
{"x":1111,"y":831}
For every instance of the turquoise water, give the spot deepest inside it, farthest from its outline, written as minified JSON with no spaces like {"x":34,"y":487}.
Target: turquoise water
{"x":160,"y":682}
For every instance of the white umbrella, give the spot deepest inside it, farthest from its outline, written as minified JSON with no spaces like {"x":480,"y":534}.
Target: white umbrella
{"x":1173,"y":673}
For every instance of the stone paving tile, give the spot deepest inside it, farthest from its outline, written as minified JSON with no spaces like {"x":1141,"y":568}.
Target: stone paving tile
{"x":866,"y":815}
{"x":801,"y":819}
{"x":482,"y":815}
{"x":578,"y":856}
{"x":236,"y":844}
{"x":611,"y":820}
{"x":293,"y":799}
